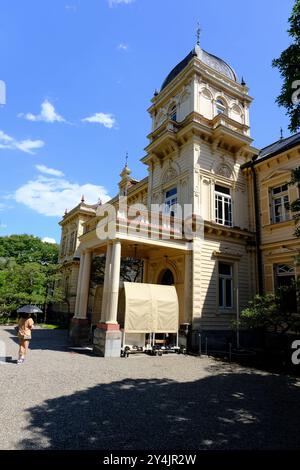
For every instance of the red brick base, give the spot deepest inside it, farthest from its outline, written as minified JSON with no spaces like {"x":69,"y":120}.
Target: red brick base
{"x":108,"y":326}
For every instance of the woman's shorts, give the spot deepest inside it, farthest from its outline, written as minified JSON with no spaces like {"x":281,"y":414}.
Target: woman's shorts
{"x":24,"y":338}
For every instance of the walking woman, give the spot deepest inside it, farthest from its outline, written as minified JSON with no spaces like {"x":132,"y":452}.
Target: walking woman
{"x":24,"y":334}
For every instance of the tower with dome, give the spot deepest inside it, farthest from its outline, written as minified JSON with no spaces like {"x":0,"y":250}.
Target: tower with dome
{"x":199,"y":155}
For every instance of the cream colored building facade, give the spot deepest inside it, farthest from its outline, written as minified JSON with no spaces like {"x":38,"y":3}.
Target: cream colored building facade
{"x":200,"y":154}
{"x":278,"y":248}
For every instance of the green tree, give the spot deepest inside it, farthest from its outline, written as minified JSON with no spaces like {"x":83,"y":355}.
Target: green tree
{"x":294,"y":206}
{"x":289,"y":66}
{"x":28,"y":273}
{"x":271,"y":313}
{"x":130,"y":271}
{"x":30,"y":283}
{"x":28,"y":249}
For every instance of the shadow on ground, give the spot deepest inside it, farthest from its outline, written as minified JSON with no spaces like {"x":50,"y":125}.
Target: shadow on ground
{"x":53,"y":340}
{"x":246,"y":410}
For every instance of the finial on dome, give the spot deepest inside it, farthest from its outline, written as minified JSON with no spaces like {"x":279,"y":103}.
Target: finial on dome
{"x":99,"y":201}
{"x":82,"y":198}
{"x":126,"y":160}
{"x":198,"y":33}
{"x":66,"y":211}
{"x":243,"y":83}
{"x":155,"y":92}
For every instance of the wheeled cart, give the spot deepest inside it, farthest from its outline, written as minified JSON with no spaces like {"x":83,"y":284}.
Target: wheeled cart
{"x":150,"y":320}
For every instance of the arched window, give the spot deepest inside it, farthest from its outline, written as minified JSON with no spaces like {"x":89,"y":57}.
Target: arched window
{"x":221,"y":107}
{"x":236,"y":113}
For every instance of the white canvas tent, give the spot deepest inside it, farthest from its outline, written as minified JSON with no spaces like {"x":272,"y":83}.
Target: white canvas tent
{"x":150,"y":308}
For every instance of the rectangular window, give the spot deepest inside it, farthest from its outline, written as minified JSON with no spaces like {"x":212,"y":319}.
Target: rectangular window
{"x":223,"y":206}
{"x":170,"y":201}
{"x":225,"y":285}
{"x":285,"y":277}
{"x":279,"y":201}
{"x":64,"y":246}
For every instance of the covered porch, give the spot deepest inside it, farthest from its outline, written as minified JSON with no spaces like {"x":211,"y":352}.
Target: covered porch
{"x":166,"y":262}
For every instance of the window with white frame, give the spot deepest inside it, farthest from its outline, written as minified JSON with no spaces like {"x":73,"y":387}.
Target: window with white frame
{"x":221,"y":107}
{"x":225,"y":285}
{"x":223,"y":205}
{"x":279,"y":201}
{"x":170,"y":201}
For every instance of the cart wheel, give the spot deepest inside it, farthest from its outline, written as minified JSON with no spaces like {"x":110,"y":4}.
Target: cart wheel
{"x":160,"y":354}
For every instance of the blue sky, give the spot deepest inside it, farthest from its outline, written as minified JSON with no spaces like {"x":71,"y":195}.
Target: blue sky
{"x":80,"y":75}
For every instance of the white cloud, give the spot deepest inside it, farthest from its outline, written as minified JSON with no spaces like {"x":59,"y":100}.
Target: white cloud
{"x":27,"y":145}
{"x":50,"y":196}
{"x":3,"y":225}
{"x":4,"y":206}
{"x":49,"y":240}
{"x":119,"y":2}
{"x":72,"y":7}
{"x":107,"y":120}
{"x":49,"y":171}
{"x":123,"y":47}
{"x":5,"y":139}
{"x":47,"y":114}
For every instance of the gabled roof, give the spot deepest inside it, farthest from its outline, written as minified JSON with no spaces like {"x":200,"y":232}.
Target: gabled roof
{"x":279,"y":146}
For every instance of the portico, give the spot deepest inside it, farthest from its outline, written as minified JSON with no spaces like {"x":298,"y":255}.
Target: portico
{"x":157,"y":255}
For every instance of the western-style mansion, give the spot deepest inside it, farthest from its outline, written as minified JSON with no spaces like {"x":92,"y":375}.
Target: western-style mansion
{"x":200,"y":153}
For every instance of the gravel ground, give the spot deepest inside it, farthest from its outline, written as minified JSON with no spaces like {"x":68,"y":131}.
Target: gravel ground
{"x":65,"y":399}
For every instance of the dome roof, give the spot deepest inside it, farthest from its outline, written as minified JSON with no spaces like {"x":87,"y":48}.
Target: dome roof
{"x":209,"y":59}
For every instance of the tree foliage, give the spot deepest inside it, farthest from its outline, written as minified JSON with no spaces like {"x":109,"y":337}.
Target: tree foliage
{"x":27,"y":273}
{"x":271,"y":312}
{"x":289,"y":66}
{"x":294,"y":206}
{"x":28,"y":249}
{"x":130,"y":271}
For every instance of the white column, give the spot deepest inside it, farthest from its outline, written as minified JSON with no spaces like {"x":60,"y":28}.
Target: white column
{"x":85,"y":284}
{"x":107,"y":280}
{"x":113,"y":295}
{"x":188,"y":288}
{"x":82,"y":256}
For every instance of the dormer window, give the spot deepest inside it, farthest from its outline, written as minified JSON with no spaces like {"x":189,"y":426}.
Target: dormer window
{"x":221,"y":107}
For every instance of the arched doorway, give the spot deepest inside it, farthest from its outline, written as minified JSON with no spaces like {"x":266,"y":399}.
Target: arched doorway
{"x":166,"y":278}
